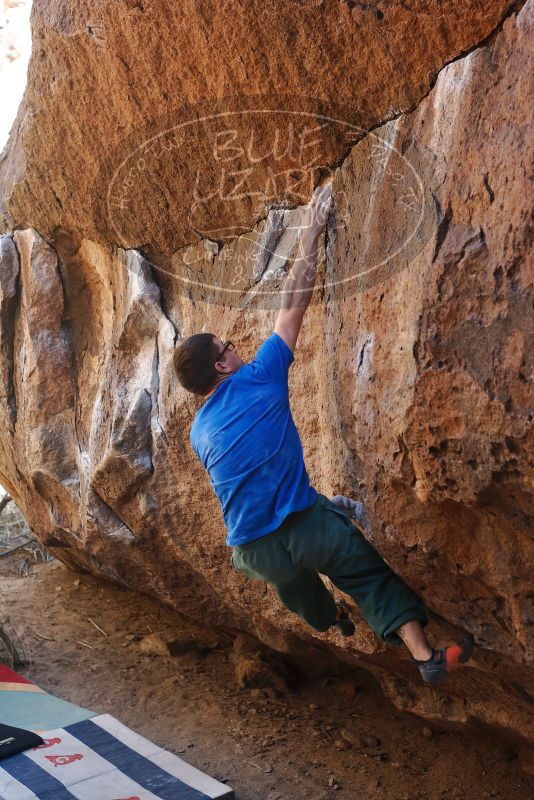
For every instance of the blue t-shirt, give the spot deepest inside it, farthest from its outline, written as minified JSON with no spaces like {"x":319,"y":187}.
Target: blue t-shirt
{"x":244,"y":435}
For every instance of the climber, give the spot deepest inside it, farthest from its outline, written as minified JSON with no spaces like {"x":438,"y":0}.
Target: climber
{"x":281,"y":530}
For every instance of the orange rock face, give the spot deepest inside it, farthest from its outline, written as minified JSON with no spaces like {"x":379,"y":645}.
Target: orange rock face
{"x":410,"y":385}
{"x":122,"y":98}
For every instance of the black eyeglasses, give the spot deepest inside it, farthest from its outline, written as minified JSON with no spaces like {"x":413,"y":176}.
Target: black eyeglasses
{"x":227,"y":346}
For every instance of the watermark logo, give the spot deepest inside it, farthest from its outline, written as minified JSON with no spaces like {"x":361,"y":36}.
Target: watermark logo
{"x":215,"y":195}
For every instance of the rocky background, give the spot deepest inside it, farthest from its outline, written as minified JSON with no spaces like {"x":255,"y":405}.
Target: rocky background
{"x":410,"y":385}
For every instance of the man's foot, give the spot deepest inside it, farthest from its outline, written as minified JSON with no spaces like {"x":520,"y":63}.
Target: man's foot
{"x":441,"y":662}
{"x":344,"y":625}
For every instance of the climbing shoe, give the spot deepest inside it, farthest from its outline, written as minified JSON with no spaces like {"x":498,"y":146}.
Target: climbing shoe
{"x":441,"y":662}
{"x":344,"y":625}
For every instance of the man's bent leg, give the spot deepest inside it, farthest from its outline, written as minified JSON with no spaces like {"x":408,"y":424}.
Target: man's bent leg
{"x":326,"y":542}
{"x":307,"y":596}
{"x":392,"y":609}
{"x":300,"y":590}
{"x":334,"y":547}
{"x":385,"y":601}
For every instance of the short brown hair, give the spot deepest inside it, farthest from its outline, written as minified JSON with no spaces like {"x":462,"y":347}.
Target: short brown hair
{"x":194,"y":363}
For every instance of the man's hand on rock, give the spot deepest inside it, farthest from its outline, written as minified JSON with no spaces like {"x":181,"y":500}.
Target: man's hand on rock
{"x":317,"y":211}
{"x":354,"y":509}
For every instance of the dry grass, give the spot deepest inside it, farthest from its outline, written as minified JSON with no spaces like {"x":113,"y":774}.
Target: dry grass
{"x":18,"y":543}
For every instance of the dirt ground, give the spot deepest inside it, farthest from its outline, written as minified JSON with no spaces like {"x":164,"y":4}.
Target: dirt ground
{"x":331,"y":737}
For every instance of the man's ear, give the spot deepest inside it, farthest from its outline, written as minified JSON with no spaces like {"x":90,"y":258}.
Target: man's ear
{"x":221,"y":367}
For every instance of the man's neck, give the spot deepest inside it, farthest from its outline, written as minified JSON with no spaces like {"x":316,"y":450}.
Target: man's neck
{"x":219,"y":381}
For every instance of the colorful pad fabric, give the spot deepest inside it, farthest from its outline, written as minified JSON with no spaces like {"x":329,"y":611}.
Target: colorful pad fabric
{"x":101,"y":759}
{"x":25,"y":705}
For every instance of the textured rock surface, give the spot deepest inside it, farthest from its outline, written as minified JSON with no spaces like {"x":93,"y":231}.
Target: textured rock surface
{"x":410,"y":384}
{"x":106,"y":77}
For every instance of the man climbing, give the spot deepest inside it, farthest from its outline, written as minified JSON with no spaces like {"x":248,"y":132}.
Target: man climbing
{"x":280,"y":528}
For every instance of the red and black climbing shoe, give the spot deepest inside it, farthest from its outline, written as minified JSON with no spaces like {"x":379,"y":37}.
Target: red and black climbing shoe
{"x":441,"y":662}
{"x":344,"y":625}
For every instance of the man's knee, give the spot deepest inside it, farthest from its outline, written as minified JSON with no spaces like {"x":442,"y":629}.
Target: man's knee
{"x":268,"y":562}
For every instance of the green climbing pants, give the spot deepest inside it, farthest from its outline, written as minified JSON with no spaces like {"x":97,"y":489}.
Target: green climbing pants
{"x":321,"y":539}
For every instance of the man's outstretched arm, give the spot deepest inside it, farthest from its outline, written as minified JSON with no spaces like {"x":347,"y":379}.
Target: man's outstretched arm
{"x":297,"y":288}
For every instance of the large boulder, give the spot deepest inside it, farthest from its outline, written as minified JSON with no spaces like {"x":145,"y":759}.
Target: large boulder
{"x":410,"y":383}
